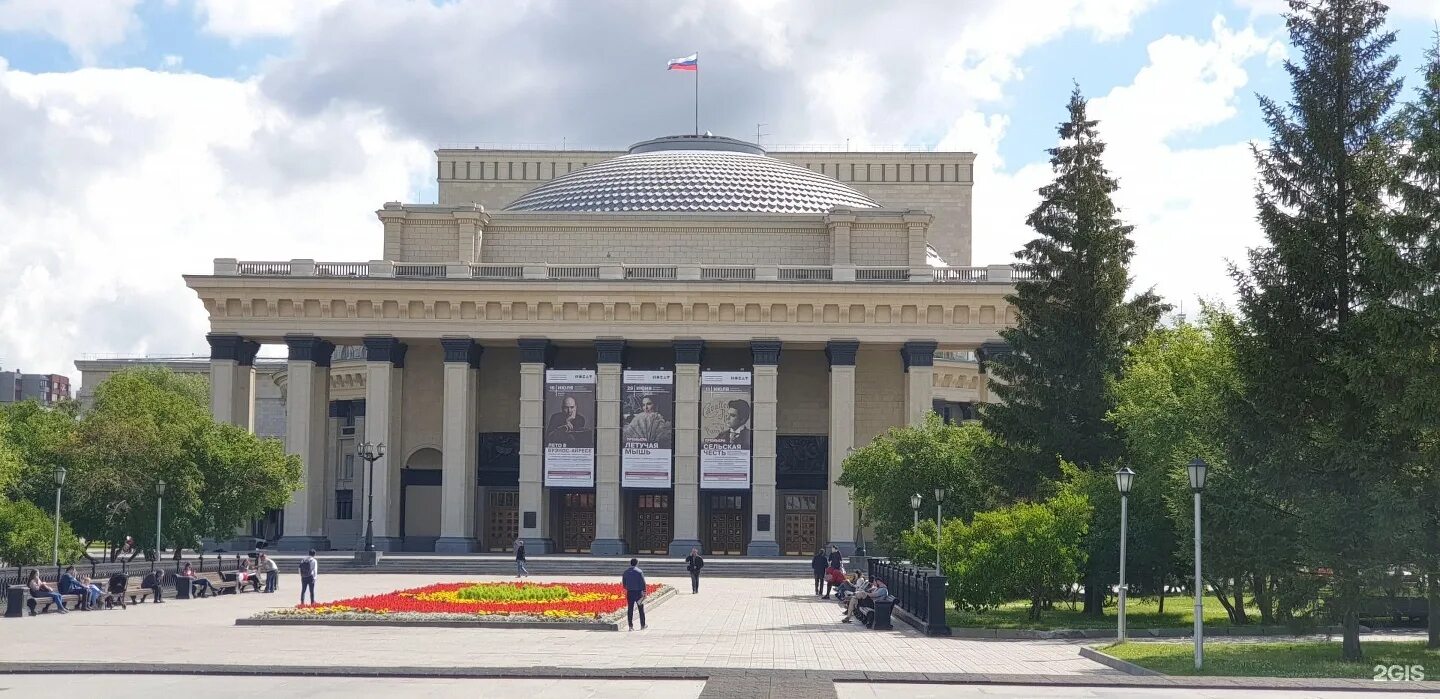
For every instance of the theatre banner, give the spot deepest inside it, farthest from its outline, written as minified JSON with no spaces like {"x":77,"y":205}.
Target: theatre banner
{"x":725,"y":438}
{"x":569,"y":428}
{"x":647,"y":433}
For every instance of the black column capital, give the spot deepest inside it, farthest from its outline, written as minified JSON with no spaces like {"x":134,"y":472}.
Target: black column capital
{"x":989,"y":350}
{"x":232,"y":347}
{"x":534,"y":349}
{"x":383,"y":348}
{"x":609,"y":351}
{"x":842,"y":352}
{"x":308,"y":348}
{"x":689,"y":351}
{"x":919,"y":353}
{"x":462,"y":349}
{"x":765,"y":352}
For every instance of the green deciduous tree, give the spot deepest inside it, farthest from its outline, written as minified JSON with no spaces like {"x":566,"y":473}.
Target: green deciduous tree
{"x":27,"y":535}
{"x":1029,"y":551}
{"x":1305,"y":430}
{"x":883,"y":474}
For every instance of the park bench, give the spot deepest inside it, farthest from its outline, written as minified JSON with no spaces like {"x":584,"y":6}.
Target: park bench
{"x":45,"y":603}
{"x":133,"y":592}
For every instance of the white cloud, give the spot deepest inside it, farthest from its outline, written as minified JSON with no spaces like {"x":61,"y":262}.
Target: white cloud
{"x":86,"y":27}
{"x":1192,"y":207}
{"x":120,"y":181}
{"x":238,"y":20}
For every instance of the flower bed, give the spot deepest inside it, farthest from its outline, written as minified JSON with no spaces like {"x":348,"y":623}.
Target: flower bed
{"x":470,"y":601}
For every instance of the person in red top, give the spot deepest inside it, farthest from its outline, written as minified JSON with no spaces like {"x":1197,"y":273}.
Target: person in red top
{"x":834,"y":578}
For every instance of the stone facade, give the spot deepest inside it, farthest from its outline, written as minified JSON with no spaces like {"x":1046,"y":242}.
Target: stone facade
{"x":836,"y":315}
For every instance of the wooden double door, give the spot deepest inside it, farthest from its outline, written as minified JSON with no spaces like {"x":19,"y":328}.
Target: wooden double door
{"x":800,"y":528}
{"x":502,"y":519}
{"x":651,"y":522}
{"x":577,"y":522}
{"x":726,"y":523}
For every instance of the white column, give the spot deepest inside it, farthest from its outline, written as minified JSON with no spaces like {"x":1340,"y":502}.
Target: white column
{"x":841,"y":354}
{"x":919,"y":358}
{"x":232,"y":380}
{"x":384,"y":383}
{"x":534,"y":513}
{"x":306,"y":413}
{"x":458,"y":444}
{"x":765,"y":355}
{"x":609,"y":357}
{"x":685,"y":504}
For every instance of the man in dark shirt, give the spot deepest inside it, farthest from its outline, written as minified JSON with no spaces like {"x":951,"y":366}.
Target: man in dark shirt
{"x":155,"y":582}
{"x":634,"y":582}
{"x":818,"y":564}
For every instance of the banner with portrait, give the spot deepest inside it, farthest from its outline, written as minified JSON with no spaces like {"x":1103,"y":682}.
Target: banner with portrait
{"x":725,"y":429}
{"x":647,"y":428}
{"x":569,"y":436}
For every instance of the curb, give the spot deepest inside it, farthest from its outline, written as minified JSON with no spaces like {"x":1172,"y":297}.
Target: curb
{"x":1115,"y":663}
{"x":654,"y":600}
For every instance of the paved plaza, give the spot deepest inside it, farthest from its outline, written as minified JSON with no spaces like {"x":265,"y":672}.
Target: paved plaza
{"x":732,"y":623}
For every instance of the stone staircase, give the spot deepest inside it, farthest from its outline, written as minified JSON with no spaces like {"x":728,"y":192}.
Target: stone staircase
{"x":597,"y":566}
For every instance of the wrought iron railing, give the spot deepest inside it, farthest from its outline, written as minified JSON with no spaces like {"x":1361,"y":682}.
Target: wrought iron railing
{"x":918,"y":591}
{"x":99,"y":571}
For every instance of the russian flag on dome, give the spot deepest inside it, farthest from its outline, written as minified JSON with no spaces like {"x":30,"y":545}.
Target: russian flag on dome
{"x":691,"y":62}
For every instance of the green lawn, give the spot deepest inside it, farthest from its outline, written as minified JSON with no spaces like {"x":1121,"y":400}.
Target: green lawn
{"x":1140,"y":613}
{"x":1311,"y":659}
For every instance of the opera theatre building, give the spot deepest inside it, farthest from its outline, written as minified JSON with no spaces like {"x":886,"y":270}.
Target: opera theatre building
{"x":617,"y":352}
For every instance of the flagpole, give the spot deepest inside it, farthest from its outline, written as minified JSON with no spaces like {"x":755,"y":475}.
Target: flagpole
{"x":697,"y":93}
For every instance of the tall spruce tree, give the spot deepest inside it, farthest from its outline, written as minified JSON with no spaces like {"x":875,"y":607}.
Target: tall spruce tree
{"x":1403,"y":314}
{"x":1309,"y":437}
{"x":1073,"y":325}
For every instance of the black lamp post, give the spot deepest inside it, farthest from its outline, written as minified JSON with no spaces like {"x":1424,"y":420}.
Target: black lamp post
{"x":915,"y":501}
{"x":370,"y":453}
{"x":159,"y":505}
{"x":1198,"y":469}
{"x":939,"y":499}
{"x":59,"y":484}
{"x":1123,"y":478}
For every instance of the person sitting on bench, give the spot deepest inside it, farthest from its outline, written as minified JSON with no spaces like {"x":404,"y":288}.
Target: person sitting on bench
{"x":199,"y":587}
{"x":154,"y":581}
{"x":874,"y":592}
{"x":247,"y":576}
{"x":70,"y":585}
{"x":39,"y":590}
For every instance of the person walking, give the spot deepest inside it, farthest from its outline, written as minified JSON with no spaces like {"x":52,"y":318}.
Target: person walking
{"x":634,"y":582}
{"x":309,"y":569}
{"x":694,"y":563}
{"x":272,"y":572}
{"x":818,"y":564}
{"x":520,"y":569}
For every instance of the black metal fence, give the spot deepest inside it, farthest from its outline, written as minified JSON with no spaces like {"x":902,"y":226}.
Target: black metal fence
{"x":919,"y":592}
{"x":100,"y":571}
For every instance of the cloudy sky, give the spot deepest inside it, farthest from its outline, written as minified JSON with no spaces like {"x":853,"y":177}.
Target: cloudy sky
{"x":139,"y":139}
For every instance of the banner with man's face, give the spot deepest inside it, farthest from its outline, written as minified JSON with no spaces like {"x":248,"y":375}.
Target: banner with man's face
{"x":569,"y":437}
{"x":647,"y":428}
{"x":725,"y":437}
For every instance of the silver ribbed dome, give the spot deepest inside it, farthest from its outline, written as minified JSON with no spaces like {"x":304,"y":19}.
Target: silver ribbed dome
{"x":693,"y":173}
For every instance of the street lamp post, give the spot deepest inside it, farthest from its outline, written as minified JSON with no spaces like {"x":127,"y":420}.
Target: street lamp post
{"x":915,"y":505}
{"x":939,"y":498}
{"x":1197,"y":470}
{"x":159,"y":506}
{"x":370,"y":453}
{"x":59,"y":485}
{"x":1123,"y":478}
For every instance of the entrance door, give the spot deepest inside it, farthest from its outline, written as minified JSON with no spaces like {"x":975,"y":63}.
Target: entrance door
{"x":577,"y":522}
{"x":727,"y":525}
{"x":652,"y":523}
{"x":800,"y":535}
{"x":502,"y":519}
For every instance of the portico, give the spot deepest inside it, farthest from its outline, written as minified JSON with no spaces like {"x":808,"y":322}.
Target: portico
{"x":463,"y":353}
